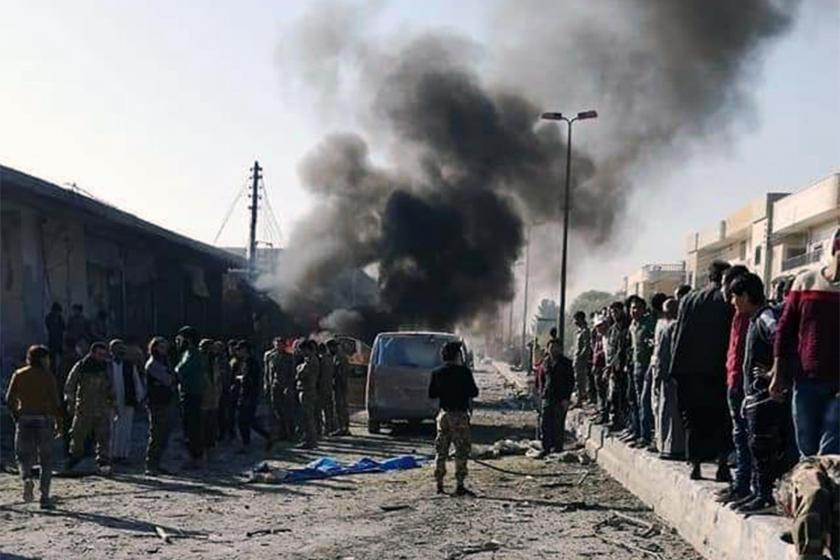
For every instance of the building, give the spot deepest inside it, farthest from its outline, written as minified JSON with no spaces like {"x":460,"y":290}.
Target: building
{"x":61,"y":246}
{"x":803,"y":223}
{"x":776,"y":235}
{"x":653,"y":278}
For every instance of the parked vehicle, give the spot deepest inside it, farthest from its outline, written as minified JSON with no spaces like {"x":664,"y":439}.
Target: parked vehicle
{"x":398,"y":376}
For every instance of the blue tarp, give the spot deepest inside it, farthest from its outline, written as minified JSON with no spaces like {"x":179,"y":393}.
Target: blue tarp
{"x":327,"y":467}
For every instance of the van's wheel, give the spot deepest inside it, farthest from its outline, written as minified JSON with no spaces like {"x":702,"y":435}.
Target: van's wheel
{"x":374,"y":427}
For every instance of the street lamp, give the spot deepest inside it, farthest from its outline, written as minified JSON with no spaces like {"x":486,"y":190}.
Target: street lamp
{"x":566,"y":198}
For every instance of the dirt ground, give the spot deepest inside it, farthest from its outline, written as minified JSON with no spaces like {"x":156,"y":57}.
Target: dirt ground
{"x":567,"y":510}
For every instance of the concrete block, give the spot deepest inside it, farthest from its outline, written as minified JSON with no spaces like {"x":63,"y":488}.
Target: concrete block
{"x":687,"y":505}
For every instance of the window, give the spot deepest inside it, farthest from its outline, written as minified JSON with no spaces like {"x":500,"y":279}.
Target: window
{"x":757,"y":256}
{"x":410,"y":351}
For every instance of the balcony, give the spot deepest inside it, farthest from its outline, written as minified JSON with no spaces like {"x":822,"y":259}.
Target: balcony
{"x":804,"y":259}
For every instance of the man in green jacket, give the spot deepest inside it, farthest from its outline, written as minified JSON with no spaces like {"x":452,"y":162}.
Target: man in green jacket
{"x":90,"y":402}
{"x":191,"y":386}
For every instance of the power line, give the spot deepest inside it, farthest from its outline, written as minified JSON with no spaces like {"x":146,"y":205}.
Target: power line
{"x":274,"y":224}
{"x":230,"y":212}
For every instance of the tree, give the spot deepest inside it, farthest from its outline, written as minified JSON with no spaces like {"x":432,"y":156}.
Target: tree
{"x":545,"y":318}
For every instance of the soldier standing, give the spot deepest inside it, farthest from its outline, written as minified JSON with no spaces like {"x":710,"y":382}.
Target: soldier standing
{"x":247,"y":371}
{"x":618,"y":342}
{"x":342,"y":374}
{"x":90,"y":401}
{"x":32,"y":398}
{"x":160,"y":381}
{"x":226,"y":403}
{"x":583,"y":358}
{"x":212,"y":394}
{"x":326,"y":379}
{"x":453,"y":385}
{"x":192,"y":385}
{"x":278,"y":373}
{"x":307,"y":387}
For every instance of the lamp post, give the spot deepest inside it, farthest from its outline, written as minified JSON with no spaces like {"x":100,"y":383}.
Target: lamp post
{"x":566,"y":203}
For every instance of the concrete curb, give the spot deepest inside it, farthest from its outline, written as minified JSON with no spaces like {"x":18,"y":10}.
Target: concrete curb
{"x":687,"y":505}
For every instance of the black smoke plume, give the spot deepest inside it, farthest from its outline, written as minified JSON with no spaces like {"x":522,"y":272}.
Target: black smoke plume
{"x":442,"y":221}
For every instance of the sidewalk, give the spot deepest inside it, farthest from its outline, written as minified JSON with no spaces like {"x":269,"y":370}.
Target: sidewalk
{"x":687,"y":505}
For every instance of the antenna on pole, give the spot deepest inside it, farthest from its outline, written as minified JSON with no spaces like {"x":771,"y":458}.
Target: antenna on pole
{"x":256,"y":177}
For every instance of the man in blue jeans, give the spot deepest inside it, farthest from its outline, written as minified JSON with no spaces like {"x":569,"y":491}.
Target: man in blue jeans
{"x":739,"y":488}
{"x":806,"y":353}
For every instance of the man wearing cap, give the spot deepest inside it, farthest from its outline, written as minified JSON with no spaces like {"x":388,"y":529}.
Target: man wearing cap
{"x":599,"y":362}
{"x":806,"y":356}
{"x":192,"y":383}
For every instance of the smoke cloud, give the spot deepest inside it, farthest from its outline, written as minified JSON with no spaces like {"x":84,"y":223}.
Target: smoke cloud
{"x":467,"y":164}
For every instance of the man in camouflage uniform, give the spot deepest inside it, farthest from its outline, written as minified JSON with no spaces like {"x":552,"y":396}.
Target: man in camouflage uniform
{"x":583,"y":358}
{"x":808,"y":494}
{"x":307,"y":387}
{"x":454,"y":386}
{"x":280,"y":388}
{"x":342,"y":374}
{"x":89,"y":395}
{"x":326,"y":380}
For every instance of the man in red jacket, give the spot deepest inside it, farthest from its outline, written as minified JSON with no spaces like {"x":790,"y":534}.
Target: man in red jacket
{"x":806,"y":354}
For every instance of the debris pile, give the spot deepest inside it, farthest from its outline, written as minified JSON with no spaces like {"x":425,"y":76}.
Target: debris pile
{"x":506,"y":447}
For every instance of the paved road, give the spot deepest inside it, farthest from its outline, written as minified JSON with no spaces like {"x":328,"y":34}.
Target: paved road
{"x":211,"y":515}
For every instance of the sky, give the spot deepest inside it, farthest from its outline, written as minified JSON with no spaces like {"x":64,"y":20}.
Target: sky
{"x":160,"y":108}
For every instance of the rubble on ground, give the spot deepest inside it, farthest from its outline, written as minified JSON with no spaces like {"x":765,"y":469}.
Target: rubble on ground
{"x":506,"y":447}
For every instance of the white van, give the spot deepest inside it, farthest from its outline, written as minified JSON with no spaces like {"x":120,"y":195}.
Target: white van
{"x":398,"y":376}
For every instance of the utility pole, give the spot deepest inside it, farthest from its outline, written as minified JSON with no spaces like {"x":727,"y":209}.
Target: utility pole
{"x":561,"y":313}
{"x":510,"y":321}
{"x":256,"y":176}
{"x":525,"y":295}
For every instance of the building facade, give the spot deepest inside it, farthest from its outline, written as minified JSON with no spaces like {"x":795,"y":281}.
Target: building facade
{"x":803,"y":223}
{"x":652,"y":278}
{"x":59,"y":246}
{"x":776,"y":235}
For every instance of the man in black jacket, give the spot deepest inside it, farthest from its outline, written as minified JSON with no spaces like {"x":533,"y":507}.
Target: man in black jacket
{"x":556,"y":392}
{"x":769,"y":422}
{"x":453,"y":385}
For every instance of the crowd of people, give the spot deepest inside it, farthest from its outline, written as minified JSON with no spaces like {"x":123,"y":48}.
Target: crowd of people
{"x":89,"y":393}
{"x":701,"y":373}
